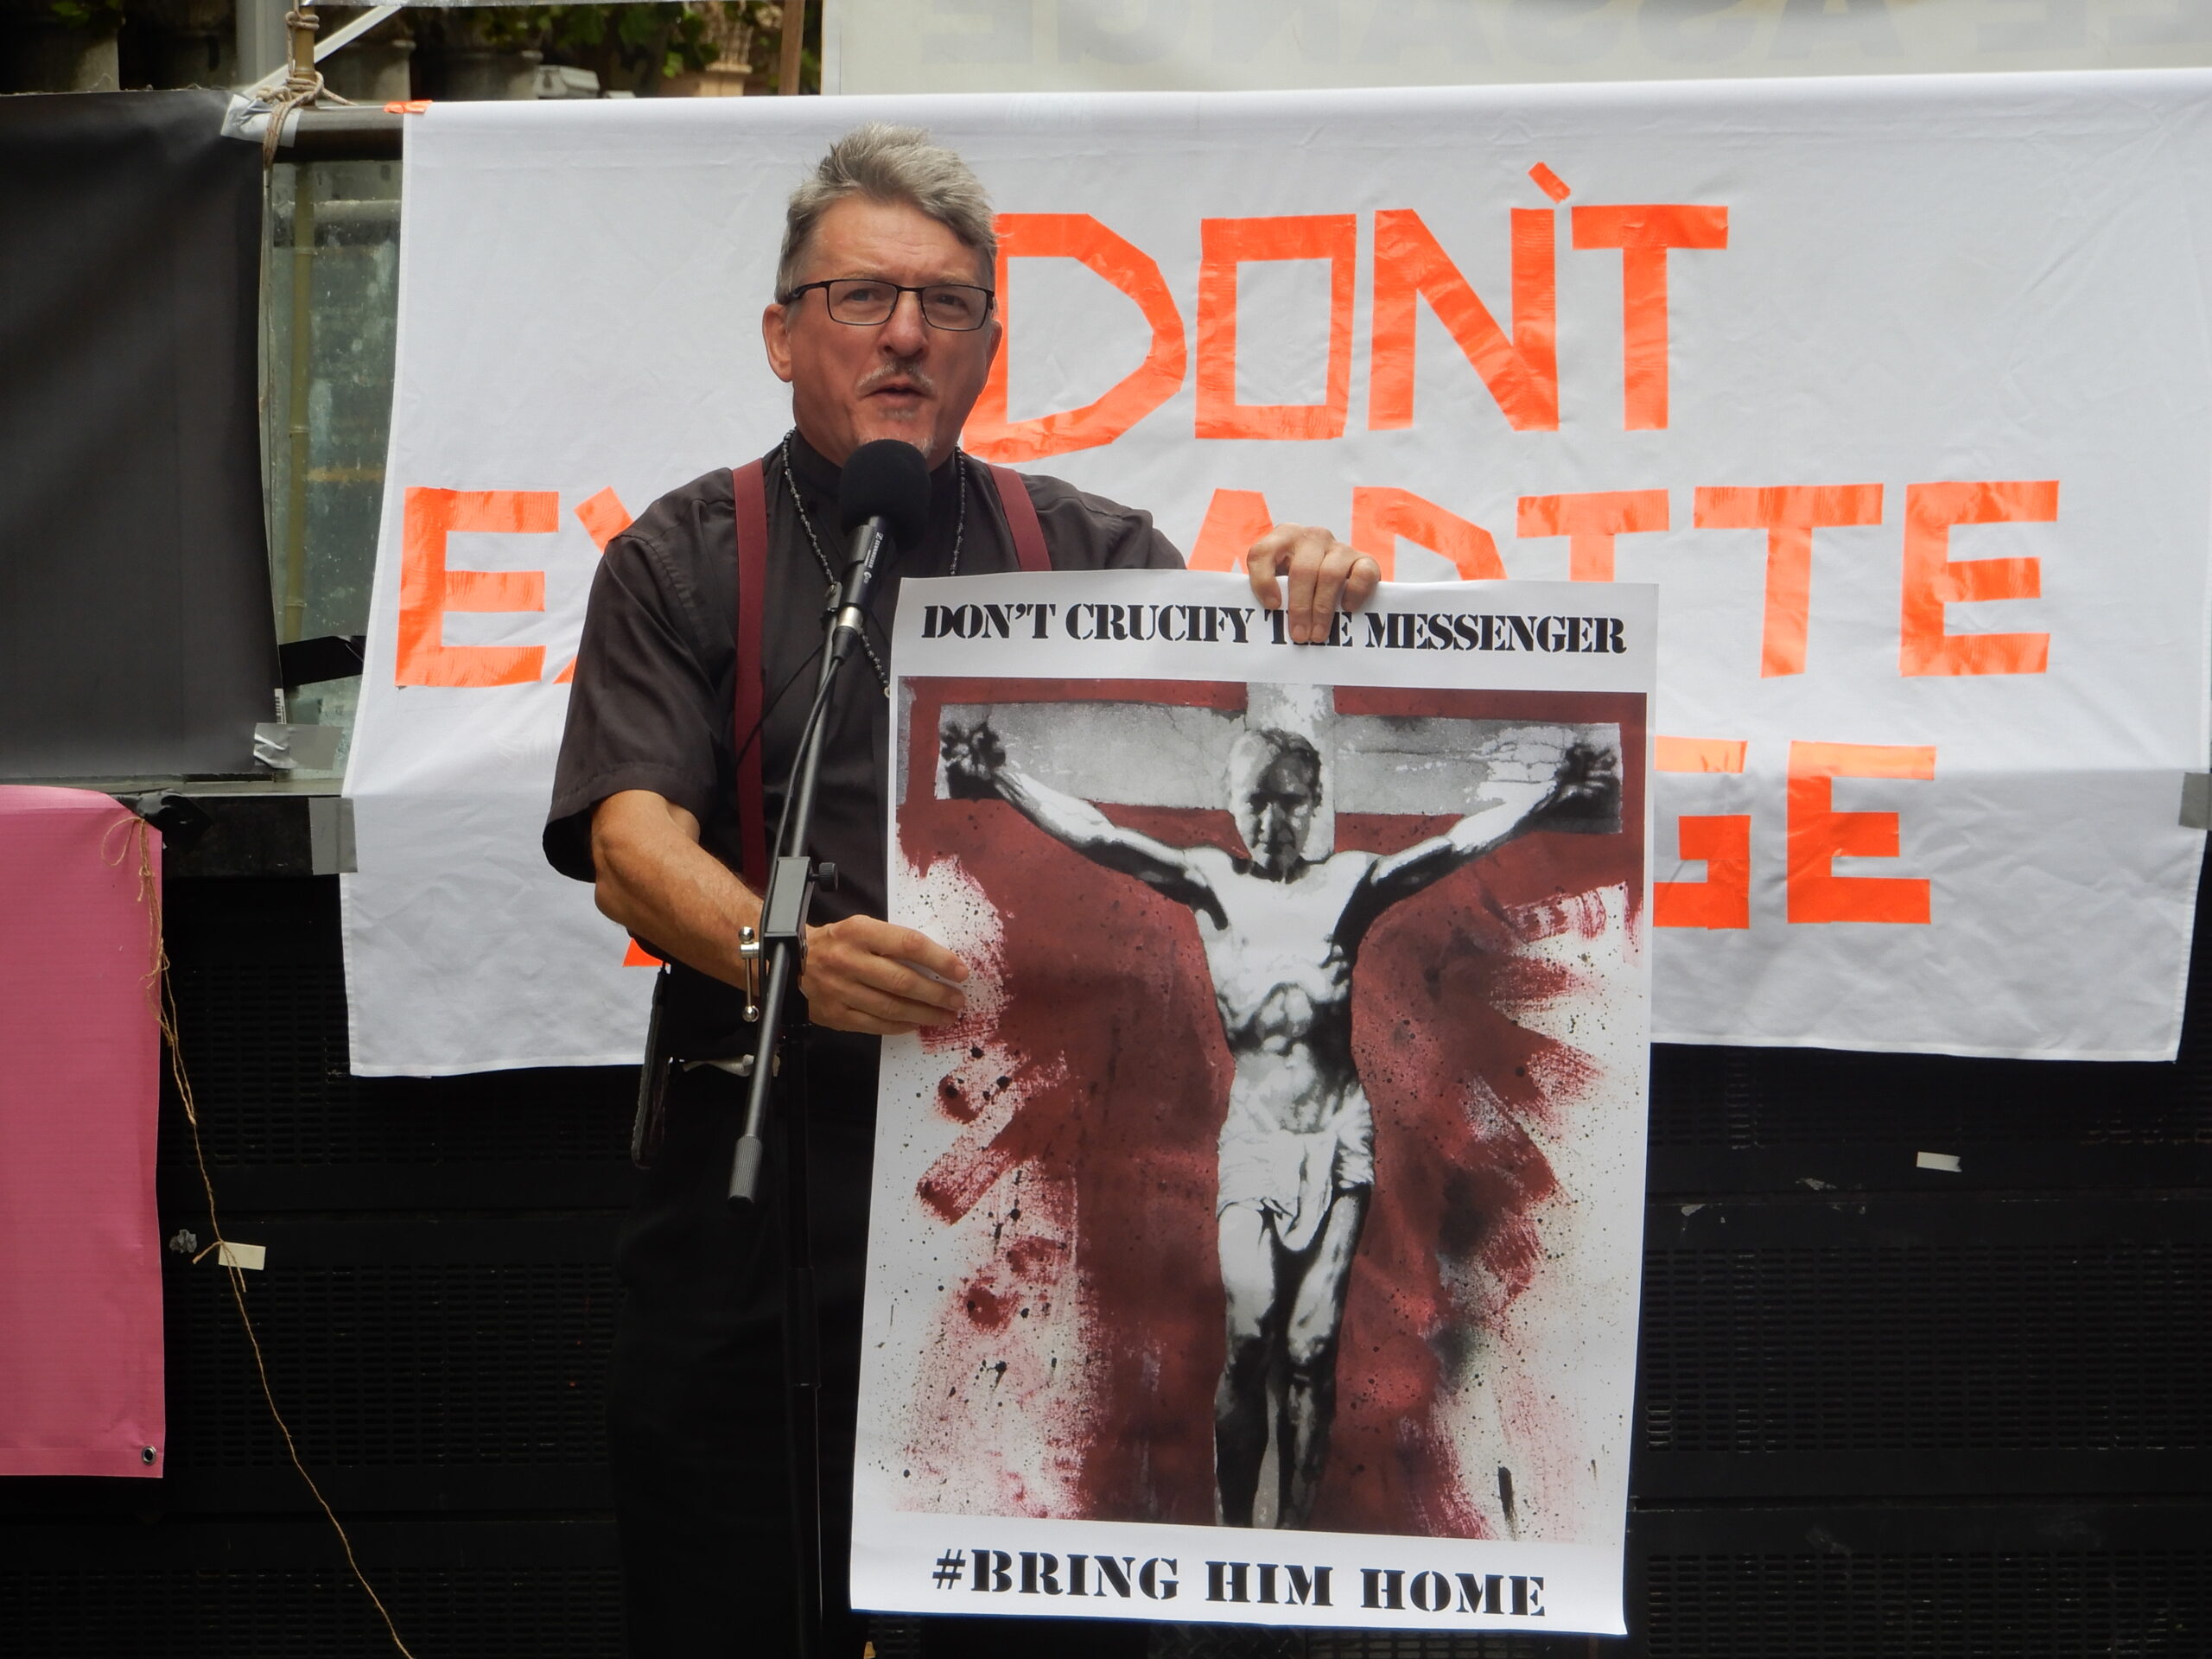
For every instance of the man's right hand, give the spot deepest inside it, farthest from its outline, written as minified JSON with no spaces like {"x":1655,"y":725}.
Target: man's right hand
{"x":1554,"y":778}
{"x":866,"y":975}
{"x":1586,"y":794}
{"x":656,"y":881}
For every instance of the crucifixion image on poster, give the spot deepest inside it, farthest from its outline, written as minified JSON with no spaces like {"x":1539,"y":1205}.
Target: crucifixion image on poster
{"x":1302,"y":1064}
{"x":1282,"y":934}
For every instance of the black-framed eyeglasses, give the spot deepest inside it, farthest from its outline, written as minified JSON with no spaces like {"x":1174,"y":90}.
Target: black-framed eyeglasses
{"x":864,"y":302}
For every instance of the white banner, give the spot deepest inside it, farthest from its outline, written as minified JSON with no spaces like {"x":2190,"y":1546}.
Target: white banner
{"x":1284,"y":1172}
{"x":1898,"y":389}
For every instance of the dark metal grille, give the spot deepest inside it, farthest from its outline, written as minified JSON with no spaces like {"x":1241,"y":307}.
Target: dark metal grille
{"x":1251,"y":1642}
{"x":1405,"y":1645}
{"x":395,"y":1364}
{"x":2115,"y":1605}
{"x":1737,"y":1098}
{"x":2013,"y":1347}
{"x":98,"y":1612}
{"x":265,"y":1048}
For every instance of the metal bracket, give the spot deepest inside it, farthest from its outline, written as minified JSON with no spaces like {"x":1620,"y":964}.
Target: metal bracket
{"x":749,"y":959}
{"x":285,"y":747}
{"x":330,"y":834}
{"x":180,"y":822}
{"x":783,"y":907}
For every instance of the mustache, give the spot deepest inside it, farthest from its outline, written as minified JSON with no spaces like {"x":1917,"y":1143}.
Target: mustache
{"x":913,"y":374}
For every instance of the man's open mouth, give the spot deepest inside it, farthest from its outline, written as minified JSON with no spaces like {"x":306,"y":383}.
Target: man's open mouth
{"x":900,"y":387}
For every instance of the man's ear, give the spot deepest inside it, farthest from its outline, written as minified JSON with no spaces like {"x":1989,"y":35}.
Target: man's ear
{"x":775,"y":335}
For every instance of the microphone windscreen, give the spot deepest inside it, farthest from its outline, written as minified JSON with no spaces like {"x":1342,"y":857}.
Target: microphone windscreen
{"x":887,"y":479}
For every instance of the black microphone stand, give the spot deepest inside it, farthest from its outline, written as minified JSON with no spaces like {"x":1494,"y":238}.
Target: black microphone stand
{"x":792,"y":879}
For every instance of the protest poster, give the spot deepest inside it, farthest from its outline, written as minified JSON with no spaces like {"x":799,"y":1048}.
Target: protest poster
{"x":1263,"y":1243}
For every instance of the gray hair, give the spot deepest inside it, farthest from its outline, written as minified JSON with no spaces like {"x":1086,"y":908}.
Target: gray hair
{"x":889,"y":164}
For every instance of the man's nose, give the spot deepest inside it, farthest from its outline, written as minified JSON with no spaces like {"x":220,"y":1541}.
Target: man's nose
{"x":905,"y":334}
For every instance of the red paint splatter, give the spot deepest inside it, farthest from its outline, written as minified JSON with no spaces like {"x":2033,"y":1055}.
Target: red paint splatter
{"x":1110,"y":1127}
{"x":1582,"y":914}
{"x":1035,"y":1259}
{"x":988,"y":1309}
{"x":954,"y":1100}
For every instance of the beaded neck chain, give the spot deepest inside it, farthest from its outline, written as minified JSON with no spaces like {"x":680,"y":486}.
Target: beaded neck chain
{"x":959,"y":530}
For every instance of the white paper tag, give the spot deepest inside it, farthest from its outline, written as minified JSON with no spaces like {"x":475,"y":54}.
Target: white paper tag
{"x":255,"y":1257}
{"x":1936,"y":1161}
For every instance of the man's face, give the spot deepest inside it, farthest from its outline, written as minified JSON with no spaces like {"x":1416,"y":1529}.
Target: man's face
{"x":1275,"y":813}
{"x":902,"y":379}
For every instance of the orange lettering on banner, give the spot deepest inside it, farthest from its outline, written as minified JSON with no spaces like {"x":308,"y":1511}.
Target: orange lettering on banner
{"x":1934,"y":579}
{"x":428,"y":590}
{"x":1723,"y":900}
{"x":1145,"y":388}
{"x":1644,"y":232}
{"x":1235,"y":519}
{"x":1227,"y":244}
{"x":1590,"y":522}
{"x":1379,"y":516}
{"x":1818,"y":835}
{"x":1523,"y":375}
{"x":603,"y":518}
{"x":1790,"y":514}
{"x":1699,"y":753}
{"x":1723,"y":840}
{"x":1549,"y":182}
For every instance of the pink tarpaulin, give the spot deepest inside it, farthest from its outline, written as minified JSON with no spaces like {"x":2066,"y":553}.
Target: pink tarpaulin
{"x":80,"y":1274}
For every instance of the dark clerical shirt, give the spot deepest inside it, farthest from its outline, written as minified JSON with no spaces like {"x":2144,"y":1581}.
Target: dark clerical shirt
{"x":654,"y":701}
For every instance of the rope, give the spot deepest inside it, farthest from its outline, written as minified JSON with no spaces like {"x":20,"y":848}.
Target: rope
{"x":163,"y":998}
{"x":302,"y":87}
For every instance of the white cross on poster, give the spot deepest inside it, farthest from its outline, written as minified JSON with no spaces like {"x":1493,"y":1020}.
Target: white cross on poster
{"x":1261,"y":1245}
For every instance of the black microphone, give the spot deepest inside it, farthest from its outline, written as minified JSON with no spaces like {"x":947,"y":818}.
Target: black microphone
{"x":883,"y":498}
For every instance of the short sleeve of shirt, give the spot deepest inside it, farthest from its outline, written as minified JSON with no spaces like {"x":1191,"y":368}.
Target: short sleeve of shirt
{"x":1089,"y":533}
{"x":644,"y":711}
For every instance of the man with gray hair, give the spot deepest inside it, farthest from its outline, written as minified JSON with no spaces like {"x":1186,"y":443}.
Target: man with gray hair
{"x":689,"y":694}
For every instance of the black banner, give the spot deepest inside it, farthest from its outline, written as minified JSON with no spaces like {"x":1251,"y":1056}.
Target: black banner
{"x":136,"y":634}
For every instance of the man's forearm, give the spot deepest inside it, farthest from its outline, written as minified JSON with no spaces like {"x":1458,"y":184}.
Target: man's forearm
{"x":1064,"y":817}
{"x":1082,"y":826}
{"x":655,"y":879}
{"x":1402,"y":874}
{"x":1487,"y":830}
{"x":859,"y":974}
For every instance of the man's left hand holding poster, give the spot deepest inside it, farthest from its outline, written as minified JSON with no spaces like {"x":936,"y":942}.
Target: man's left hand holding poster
{"x":689,"y":698}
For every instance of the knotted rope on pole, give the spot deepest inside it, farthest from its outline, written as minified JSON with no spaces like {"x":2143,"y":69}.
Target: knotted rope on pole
{"x":303,"y":83}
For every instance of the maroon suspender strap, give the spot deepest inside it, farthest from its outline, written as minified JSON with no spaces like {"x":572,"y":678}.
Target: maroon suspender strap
{"x":1021,"y":519}
{"x":749,"y":492}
